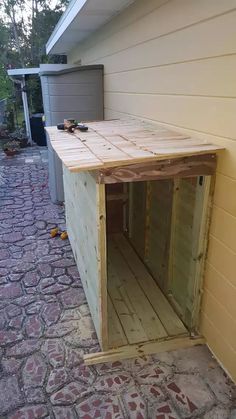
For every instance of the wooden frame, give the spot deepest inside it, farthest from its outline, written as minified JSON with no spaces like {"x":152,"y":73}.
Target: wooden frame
{"x":148,"y":348}
{"x":85,"y":200}
{"x":200,"y":230}
{"x":117,"y":152}
{"x":172,"y":168}
{"x":95,"y":198}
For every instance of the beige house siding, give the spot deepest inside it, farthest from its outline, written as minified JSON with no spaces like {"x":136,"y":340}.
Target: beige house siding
{"x":174,"y":62}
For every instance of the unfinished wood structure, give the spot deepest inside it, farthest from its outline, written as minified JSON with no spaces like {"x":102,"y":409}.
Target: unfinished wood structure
{"x":138,"y":201}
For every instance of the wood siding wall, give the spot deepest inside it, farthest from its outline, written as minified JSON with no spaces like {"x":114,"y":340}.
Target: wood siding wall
{"x":174,"y":62}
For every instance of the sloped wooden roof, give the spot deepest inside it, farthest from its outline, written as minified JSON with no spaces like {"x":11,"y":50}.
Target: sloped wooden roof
{"x":123,"y":142}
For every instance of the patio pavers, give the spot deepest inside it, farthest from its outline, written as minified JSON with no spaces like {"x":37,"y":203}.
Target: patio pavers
{"x":45,"y":328}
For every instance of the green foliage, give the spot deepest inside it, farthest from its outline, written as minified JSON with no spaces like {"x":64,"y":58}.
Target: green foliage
{"x":25,"y":27}
{"x":6,"y":88}
{"x":25,"y":33}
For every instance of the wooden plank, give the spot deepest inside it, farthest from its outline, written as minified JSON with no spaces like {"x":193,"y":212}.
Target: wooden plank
{"x":102,"y":264}
{"x":115,"y":332}
{"x":84,"y":230}
{"x":203,"y":208}
{"x":137,"y":216}
{"x":147,"y":348}
{"x":162,"y":307}
{"x":181,"y":243}
{"x":183,"y":167}
{"x":109,"y":144}
{"x":139,"y":320}
{"x":126,"y":312}
{"x":158,"y":234}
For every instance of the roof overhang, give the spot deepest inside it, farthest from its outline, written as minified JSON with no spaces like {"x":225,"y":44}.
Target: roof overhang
{"x":80,"y":19}
{"x":19,"y":72}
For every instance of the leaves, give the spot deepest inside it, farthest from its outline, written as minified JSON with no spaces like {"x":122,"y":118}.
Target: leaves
{"x":25,"y":28}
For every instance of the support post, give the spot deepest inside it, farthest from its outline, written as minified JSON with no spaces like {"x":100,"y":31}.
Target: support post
{"x":26,"y":109}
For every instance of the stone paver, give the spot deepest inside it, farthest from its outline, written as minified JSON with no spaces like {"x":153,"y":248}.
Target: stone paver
{"x":46,"y":327}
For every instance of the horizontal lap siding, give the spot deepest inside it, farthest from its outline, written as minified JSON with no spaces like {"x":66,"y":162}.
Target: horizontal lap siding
{"x":174,"y":62}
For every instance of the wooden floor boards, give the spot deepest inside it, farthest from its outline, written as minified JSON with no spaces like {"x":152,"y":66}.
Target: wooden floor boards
{"x":137,"y":309}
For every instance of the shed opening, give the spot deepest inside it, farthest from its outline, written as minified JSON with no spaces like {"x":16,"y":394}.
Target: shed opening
{"x":154,"y":234}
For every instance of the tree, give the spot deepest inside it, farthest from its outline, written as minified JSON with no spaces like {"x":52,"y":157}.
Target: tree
{"x":29,"y":24}
{"x":25,"y":26}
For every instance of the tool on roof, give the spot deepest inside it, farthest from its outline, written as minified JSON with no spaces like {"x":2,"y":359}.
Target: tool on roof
{"x":70,"y":125}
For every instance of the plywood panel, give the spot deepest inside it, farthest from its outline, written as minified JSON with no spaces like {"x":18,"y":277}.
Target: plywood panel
{"x":182,"y":241}
{"x":159,"y":227}
{"x":84,"y":212}
{"x":137,"y":216}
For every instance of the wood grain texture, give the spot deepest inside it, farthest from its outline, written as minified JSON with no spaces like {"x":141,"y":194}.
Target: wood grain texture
{"x":158,"y":234}
{"x":119,"y":143}
{"x":171,"y":322}
{"x":139,"y":321}
{"x":83,"y":209}
{"x":183,"y":167}
{"x":143,"y":349}
{"x":189,"y":86}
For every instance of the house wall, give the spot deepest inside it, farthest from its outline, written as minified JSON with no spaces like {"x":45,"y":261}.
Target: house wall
{"x":174,"y":62}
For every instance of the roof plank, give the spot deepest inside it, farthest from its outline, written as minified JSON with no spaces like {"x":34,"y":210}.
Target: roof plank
{"x":123,"y":142}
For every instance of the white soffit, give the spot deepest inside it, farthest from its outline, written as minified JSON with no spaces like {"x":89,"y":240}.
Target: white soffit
{"x":80,"y":19}
{"x":22,"y":71}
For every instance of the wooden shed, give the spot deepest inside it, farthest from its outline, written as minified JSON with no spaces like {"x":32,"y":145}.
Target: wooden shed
{"x":138,"y":201}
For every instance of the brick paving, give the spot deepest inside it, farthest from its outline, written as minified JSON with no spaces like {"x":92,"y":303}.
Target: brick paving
{"x":45,"y":328}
